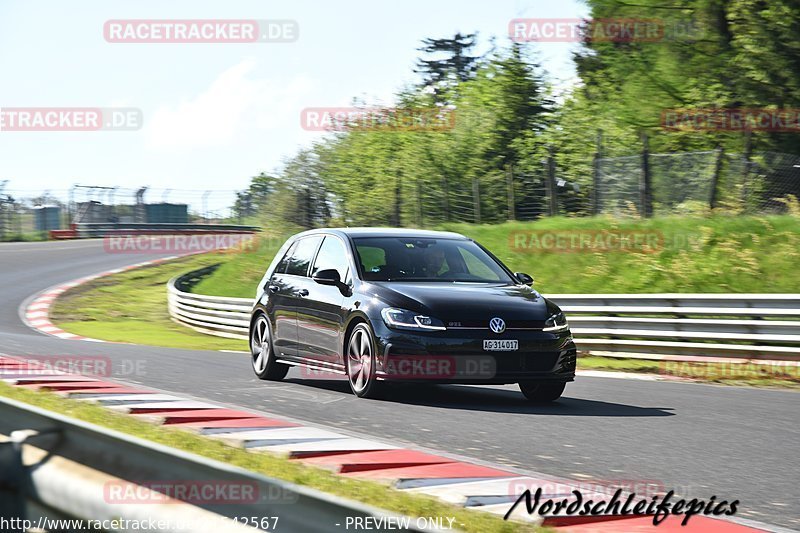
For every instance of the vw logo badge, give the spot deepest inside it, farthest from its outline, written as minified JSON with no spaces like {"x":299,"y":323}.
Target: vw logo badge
{"x":497,"y":325}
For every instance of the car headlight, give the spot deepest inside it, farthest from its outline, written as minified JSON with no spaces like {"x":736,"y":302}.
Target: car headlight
{"x":557,"y":322}
{"x":402,"y":319}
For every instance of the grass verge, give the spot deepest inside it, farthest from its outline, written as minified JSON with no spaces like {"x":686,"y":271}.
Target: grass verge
{"x":716,"y":254}
{"x":132,"y":307}
{"x":371,"y":493}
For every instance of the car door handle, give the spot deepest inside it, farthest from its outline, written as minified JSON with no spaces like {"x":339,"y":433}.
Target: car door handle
{"x":274,"y":288}
{"x":303,"y":292}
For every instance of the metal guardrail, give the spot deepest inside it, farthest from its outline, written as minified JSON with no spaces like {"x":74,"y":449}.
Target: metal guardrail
{"x":756,"y":326}
{"x":214,"y":315}
{"x":85,"y":230}
{"x":57,"y":466}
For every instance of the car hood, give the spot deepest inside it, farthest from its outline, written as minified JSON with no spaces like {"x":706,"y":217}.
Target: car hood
{"x":467,"y":302}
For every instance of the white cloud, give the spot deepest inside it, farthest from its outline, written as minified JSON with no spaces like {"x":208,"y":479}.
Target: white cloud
{"x":233,"y":104}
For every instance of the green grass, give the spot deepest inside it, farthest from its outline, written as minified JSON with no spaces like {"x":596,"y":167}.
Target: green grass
{"x":718,"y":254}
{"x":715,"y":254}
{"x":238,"y":276}
{"x":29,"y":236}
{"x":132,"y":307}
{"x":371,"y":493}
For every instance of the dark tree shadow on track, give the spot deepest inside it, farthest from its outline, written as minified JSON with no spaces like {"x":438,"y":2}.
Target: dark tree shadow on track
{"x":493,"y":400}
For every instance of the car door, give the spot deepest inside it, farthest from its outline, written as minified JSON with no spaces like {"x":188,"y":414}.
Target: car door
{"x":320,"y":316}
{"x":287,"y":287}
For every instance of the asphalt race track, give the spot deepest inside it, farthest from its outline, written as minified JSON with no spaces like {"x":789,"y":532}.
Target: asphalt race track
{"x":700,"y":440}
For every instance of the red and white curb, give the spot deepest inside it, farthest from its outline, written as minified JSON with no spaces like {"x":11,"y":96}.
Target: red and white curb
{"x":36,"y":313}
{"x":473,"y":486}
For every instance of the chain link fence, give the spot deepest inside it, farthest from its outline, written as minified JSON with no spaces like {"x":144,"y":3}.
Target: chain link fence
{"x":643,"y":184}
{"x":636,"y":185}
{"x":695,"y":182}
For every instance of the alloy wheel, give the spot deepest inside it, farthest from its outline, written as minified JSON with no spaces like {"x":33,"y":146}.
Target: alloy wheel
{"x":361,"y":361}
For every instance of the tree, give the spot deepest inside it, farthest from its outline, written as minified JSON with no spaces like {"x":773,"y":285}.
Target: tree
{"x":442,"y":74}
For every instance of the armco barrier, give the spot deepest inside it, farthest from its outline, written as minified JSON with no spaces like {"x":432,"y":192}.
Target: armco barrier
{"x":73,"y":469}
{"x":214,"y":315}
{"x":752,"y":326}
{"x":88,"y":230}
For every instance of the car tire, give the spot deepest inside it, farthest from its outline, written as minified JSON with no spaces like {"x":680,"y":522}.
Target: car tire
{"x":262,"y":355}
{"x":360,"y":361}
{"x":542,"y":392}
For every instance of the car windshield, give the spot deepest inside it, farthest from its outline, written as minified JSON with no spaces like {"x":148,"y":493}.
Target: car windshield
{"x":427,"y":259}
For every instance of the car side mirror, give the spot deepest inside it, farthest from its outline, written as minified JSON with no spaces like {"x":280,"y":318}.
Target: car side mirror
{"x":329,"y":276}
{"x":524,"y":278}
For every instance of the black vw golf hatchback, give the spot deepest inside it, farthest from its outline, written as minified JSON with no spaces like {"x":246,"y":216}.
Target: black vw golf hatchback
{"x":377,"y":304}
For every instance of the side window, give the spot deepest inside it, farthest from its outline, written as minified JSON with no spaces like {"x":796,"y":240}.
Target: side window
{"x":332,"y":255}
{"x":281,"y":267}
{"x":303,"y":254}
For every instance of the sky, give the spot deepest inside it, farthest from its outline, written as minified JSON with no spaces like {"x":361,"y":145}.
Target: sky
{"x":214,"y":115}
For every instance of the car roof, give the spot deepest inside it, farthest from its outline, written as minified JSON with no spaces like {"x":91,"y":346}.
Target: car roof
{"x":387,"y":232}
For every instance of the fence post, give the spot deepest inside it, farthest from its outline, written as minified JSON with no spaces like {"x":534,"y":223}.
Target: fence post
{"x":645,"y":183}
{"x":746,"y":156}
{"x":398,"y":200}
{"x":512,"y":207}
{"x":420,"y":219}
{"x":3,"y":209}
{"x":446,"y":197}
{"x":18,"y":212}
{"x":712,"y":198}
{"x":596,"y":174}
{"x":71,"y":207}
{"x":476,"y":200}
{"x":551,"y":183}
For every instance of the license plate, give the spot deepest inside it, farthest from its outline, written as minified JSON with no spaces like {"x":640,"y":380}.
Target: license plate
{"x":500,"y":345}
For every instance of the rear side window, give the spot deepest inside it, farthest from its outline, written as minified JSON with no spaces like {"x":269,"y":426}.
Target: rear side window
{"x":303,"y":254}
{"x":281,"y":268}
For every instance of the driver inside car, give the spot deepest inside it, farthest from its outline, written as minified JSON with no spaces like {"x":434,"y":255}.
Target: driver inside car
{"x":434,"y":261}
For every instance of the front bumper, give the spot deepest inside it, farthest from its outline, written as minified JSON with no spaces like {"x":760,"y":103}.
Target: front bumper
{"x":457,"y":356}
